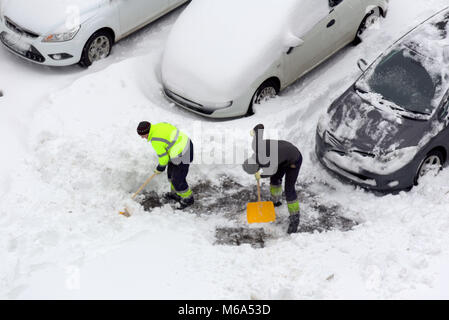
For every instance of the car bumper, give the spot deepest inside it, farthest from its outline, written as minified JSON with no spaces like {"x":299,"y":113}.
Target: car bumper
{"x":402,"y":179}
{"x":34,"y":50}
{"x":238,"y":107}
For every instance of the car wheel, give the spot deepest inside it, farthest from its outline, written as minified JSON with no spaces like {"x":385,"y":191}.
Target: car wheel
{"x":265,"y":92}
{"x":98,"y":47}
{"x":369,"y":20}
{"x":432,"y":164}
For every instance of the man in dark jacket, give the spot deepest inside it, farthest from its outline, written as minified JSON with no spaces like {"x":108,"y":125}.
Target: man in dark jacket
{"x":277,"y":159}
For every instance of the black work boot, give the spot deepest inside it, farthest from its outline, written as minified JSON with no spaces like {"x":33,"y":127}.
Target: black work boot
{"x":294,"y":223}
{"x":186,"y":202}
{"x":171,"y":196}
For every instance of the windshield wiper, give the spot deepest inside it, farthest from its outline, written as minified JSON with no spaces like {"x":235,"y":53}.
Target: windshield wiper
{"x":395,"y":107}
{"x":420,"y":113}
{"x":358,"y":89}
{"x":410,"y":114}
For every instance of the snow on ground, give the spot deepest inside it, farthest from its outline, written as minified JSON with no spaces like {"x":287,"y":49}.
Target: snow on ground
{"x":73,"y":160}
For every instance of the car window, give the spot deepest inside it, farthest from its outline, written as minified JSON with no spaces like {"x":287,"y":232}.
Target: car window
{"x":401,"y":78}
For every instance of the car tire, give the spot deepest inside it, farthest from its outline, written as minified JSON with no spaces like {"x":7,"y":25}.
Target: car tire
{"x":367,"y":21}
{"x":434,"y":158}
{"x":99,"y":46}
{"x":268,"y":90}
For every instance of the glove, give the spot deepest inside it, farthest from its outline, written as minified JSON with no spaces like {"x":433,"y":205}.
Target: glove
{"x":252,"y":133}
{"x":159,"y":170}
{"x":257,"y":175}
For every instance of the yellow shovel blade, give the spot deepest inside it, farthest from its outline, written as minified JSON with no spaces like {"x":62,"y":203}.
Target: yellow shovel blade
{"x":260,"y":212}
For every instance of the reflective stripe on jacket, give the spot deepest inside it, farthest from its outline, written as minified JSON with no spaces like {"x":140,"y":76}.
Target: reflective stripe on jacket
{"x":168,"y":142}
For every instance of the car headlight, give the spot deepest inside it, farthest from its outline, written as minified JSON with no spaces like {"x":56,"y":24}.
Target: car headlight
{"x":397,"y":159}
{"x":396,"y":155}
{"x":61,"y":37}
{"x":322,"y":126}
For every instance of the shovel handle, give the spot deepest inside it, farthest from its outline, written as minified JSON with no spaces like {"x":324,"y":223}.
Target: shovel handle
{"x":143,"y":186}
{"x":258,"y":190}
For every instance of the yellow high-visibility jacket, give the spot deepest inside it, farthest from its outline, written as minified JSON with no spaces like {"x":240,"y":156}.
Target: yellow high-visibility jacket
{"x":168,"y":142}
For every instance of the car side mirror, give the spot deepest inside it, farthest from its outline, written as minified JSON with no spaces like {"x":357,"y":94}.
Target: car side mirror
{"x":292,"y":42}
{"x":362,"y":64}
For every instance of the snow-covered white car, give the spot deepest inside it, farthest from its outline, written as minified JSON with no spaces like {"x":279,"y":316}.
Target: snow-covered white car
{"x":224,"y":56}
{"x":66,"y":32}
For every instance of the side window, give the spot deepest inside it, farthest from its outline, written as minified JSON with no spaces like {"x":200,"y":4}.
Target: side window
{"x":334,"y":3}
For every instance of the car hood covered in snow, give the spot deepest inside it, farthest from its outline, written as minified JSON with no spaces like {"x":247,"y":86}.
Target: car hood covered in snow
{"x":359,"y":125}
{"x":218,"y":48}
{"x":49,"y":16}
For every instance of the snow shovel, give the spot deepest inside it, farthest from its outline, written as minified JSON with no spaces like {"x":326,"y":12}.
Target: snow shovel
{"x":125,"y":212}
{"x":260,"y":212}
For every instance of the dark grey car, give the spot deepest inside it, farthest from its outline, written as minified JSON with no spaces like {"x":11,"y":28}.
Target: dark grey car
{"x":392,"y":126}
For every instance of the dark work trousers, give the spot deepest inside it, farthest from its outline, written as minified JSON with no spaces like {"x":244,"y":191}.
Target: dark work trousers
{"x":291,"y":173}
{"x":177,"y":174}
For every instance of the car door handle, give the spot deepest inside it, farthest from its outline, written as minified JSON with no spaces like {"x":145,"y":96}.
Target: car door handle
{"x":331,"y":23}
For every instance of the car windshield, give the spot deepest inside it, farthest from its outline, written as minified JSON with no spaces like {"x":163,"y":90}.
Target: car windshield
{"x":401,"y":78}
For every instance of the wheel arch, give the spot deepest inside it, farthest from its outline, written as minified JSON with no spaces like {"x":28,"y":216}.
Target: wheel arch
{"x":83,"y":59}
{"x":274,"y":80}
{"x":108,"y":30}
{"x":370,"y":10}
{"x":383,"y":13}
{"x":439,"y":149}
{"x":443,"y":152}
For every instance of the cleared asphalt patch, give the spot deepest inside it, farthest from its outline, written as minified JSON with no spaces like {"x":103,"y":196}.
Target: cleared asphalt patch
{"x":229,"y":199}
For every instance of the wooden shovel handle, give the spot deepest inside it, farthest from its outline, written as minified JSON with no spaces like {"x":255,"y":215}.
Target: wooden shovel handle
{"x":258,"y":190}
{"x":143,"y":186}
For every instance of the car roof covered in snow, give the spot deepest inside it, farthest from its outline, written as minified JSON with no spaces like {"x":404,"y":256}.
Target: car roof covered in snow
{"x":431,"y":39}
{"x":217,"y":48}
{"x":428,"y":44}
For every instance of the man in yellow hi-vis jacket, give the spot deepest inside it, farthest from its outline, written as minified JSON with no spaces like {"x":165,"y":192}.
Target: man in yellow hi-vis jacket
{"x":175,"y":151}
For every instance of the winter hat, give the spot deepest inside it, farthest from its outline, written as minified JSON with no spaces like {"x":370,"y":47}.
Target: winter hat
{"x":259,"y":127}
{"x":257,"y":134}
{"x":144,"y":128}
{"x":256,"y":129}
{"x":250,"y":166}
